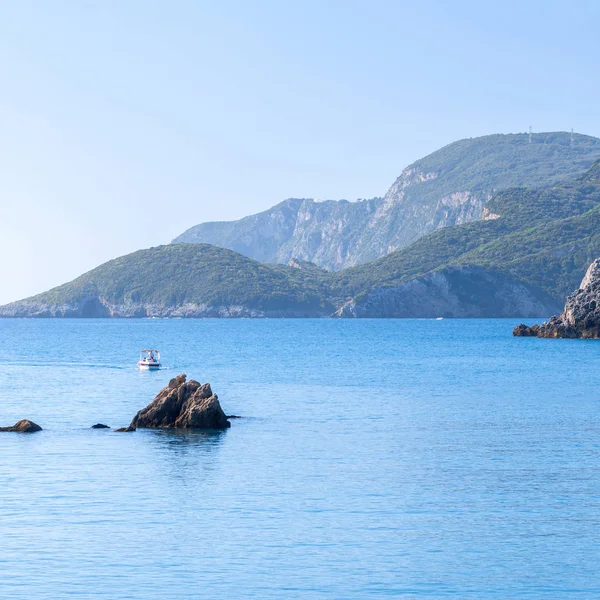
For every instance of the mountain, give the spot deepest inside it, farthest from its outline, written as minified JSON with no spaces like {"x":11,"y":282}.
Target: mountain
{"x":522,"y":260}
{"x":449,"y":187}
{"x":543,"y":238}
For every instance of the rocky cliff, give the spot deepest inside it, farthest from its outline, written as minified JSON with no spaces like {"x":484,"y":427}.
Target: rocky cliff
{"x":98,"y":307}
{"x":449,"y":187}
{"x":456,"y":292}
{"x":580,"y":317}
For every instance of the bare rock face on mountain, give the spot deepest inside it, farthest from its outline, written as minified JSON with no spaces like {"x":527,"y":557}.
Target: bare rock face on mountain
{"x":581,"y":315}
{"x":23,"y":426}
{"x":449,"y":187}
{"x":183,"y":404}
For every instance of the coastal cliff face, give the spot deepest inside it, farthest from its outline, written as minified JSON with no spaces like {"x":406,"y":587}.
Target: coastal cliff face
{"x":456,"y":292}
{"x":580,"y":317}
{"x":93,"y":307}
{"x":339,"y":234}
{"x":449,"y":187}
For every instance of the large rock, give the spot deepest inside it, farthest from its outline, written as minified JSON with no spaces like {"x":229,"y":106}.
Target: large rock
{"x":23,"y":426}
{"x":581,"y":315}
{"x":183,"y":404}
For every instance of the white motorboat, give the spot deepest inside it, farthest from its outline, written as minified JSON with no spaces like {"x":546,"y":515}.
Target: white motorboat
{"x":149,"y":359}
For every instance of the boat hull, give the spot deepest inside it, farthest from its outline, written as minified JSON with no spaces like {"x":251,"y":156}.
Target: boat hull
{"x":149,"y":366}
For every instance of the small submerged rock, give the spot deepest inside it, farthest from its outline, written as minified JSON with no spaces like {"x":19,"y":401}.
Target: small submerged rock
{"x":23,"y":426}
{"x":99,"y":426}
{"x":183,"y":404}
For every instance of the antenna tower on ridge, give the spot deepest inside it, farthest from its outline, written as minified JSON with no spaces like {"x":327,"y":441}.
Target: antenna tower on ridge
{"x":530,"y":134}
{"x":572,"y":138}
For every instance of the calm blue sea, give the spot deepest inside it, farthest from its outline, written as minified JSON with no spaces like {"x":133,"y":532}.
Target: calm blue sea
{"x":376,"y":458}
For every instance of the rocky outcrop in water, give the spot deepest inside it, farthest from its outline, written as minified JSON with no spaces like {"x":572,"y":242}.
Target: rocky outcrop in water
{"x":99,"y":426}
{"x":523,"y":330}
{"x":580,"y":317}
{"x":183,"y":404}
{"x":23,"y":426}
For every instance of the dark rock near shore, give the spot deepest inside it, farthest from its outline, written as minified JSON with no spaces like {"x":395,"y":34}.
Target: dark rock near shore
{"x":183,"y":404}
{"x":581,"y":315}
{"x":100,"y":426}
{"x":523,"y":330}
{"x":23,"y":426}
{"x":125,"y":429}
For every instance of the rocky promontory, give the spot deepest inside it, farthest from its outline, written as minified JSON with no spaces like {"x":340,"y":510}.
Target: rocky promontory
{"x":182,"y":404}
{"x":580,"y":317}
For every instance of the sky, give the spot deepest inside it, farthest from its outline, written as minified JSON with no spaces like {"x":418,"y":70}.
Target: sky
{"x":123,"y":123}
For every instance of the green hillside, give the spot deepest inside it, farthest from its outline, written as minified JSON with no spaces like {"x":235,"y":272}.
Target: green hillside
{"x":158,"y":280}
{"x":542,"y":239}
{"x":546,"y":237}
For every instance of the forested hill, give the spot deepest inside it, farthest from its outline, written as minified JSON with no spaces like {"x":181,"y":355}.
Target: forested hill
{"x":446,"y":188}
{"x":522,"y":261}
{"x":182,"y":280}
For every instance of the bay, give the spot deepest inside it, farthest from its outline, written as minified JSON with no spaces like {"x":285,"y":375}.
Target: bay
{"x":375,"y":458}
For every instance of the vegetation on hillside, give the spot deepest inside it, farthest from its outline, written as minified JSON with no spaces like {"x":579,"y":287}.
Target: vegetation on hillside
{"x":501,"y":161}
{"x":180,"y":274}
{"x":545,"y":237}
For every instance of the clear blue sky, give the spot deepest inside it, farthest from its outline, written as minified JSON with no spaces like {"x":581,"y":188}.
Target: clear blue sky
{"x":122,"y":123}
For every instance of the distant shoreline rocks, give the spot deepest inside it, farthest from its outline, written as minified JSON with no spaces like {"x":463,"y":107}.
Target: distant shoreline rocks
{"x":580,"y":317}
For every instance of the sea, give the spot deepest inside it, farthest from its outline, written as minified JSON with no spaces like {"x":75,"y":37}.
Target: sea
{"x":374,"y":459}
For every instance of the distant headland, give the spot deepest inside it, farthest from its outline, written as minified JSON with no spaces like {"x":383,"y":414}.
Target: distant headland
{"x":498,"y":226}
